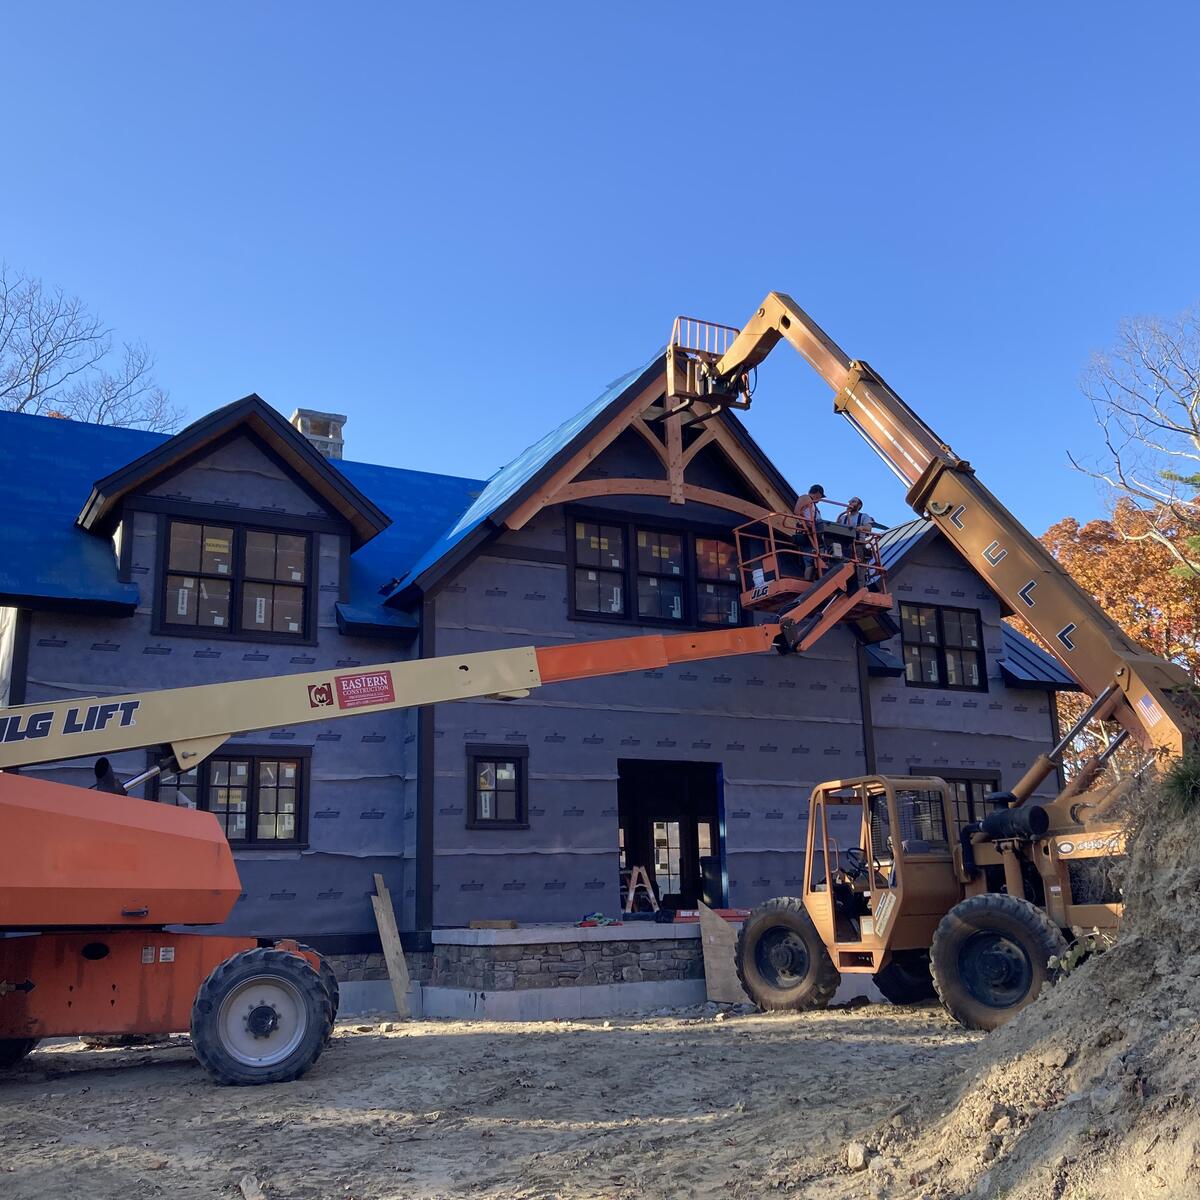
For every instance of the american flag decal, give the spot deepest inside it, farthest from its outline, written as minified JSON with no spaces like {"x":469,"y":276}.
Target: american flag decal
{"x":1151,"y":713}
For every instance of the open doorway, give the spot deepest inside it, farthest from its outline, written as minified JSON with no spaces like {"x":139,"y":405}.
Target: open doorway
{"x":669,"y":815}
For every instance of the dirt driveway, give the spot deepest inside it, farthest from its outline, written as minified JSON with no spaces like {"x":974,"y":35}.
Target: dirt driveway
{"x":685,"y":1105}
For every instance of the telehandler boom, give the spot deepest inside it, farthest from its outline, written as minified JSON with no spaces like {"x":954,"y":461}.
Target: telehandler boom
{"x":892,"y":887}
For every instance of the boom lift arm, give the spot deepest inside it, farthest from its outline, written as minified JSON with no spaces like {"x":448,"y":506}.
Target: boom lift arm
{"x":1142,"y":692}
{"x":195,"y":721}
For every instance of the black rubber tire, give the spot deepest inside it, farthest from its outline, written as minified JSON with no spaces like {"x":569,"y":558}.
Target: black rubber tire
{"x":290,"y":973}
{"x":782,"y":925}
{"x":906,"y":979}
{"x":12,"y":1050}
{"x":1020,"y":940}
{"x":330,"y":980}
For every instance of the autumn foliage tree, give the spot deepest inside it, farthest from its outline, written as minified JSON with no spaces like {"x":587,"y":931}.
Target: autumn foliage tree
{"x":1139,"y":582}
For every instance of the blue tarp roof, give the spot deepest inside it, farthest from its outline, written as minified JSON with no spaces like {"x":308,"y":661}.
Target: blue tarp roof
{"x":48,"y":466}
{"x":510,"y":479}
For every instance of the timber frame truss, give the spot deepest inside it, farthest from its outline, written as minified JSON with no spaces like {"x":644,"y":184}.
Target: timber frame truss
{"x":645,"y":413}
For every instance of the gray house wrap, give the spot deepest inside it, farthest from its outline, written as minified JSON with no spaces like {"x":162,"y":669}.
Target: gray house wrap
{"x":388,"y":792}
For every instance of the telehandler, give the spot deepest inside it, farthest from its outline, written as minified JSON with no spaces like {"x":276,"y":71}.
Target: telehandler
{"x":893,"y":886}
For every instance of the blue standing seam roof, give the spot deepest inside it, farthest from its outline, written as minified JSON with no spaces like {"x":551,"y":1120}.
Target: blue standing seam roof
{"x":510,"y":479}
{"x":48,"y":466}
{"x":1026,"y":664}
{"x":901,"y":540}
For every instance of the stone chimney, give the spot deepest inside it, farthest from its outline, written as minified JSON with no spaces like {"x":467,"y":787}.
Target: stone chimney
{"x":323,"y":429}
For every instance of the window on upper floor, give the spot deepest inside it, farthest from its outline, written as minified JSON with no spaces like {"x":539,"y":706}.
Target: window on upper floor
{"x":235,"y":581}
{"x":497,"y":787}
{"x":626,"y":571}
{"x":943,"y":647}
{"x":258,"y":797}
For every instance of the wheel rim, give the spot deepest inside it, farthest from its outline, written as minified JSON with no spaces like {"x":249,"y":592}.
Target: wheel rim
{"x":262,"y":1020}
{"x":782,"y":957}
{"x":995,"y":969}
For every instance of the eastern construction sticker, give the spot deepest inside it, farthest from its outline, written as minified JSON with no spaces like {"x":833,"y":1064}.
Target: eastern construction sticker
{"x":371,"y":687}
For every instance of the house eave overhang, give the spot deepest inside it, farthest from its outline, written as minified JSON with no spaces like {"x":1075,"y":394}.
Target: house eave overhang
{"x":365,"y":519}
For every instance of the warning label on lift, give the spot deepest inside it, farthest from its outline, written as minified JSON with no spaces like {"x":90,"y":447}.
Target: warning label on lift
{"x":371,"y":687}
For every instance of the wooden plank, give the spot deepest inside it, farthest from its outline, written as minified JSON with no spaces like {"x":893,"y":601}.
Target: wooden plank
{"x":393,"y":952}
{"x":499,"y":923}
{"x":719,"y":939}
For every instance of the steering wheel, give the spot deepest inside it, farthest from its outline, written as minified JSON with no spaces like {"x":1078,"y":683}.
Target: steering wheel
{"x":856,"y":860}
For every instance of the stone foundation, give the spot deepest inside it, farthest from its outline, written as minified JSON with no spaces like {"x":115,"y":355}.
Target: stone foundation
{"x":537,"y":972}
{"x":566,"y":964}
{"x":359,"y":968}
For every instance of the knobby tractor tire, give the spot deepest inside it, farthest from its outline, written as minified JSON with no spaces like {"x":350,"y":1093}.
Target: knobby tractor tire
{"x":12,"y":1050}
{"x":262,"y":1016}
{"x":781,"y":960}
{"x":330,"y":980}
{"x":990,"y":958}
{"x":906,"y":979}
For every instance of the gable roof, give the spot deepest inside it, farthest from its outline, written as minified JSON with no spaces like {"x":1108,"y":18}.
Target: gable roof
{"x":48,"y":561}
{"x":365,"y":518}
{"x":513,"y":483}
{"x":511,"y":480}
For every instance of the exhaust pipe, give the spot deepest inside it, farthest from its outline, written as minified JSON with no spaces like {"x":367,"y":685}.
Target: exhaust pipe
{"x":1025,"y":823}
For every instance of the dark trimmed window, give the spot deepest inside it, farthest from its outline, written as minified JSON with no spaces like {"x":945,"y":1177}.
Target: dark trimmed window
{"x":497,"y":787}
{"x":228,"y":579}
{"x":622,"y":571}
{"x":258,"y":798}
{"x":943,"y":647}
{"x":969,"y":797}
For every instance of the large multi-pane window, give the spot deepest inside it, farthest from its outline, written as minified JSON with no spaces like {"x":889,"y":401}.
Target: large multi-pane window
{"x":257,"y":798}
{"x":970,"y":798}
{"x":228,"y":579}
{"x":497,"y":795}
{"x":943,"y":647}
{"x":629,"y":572}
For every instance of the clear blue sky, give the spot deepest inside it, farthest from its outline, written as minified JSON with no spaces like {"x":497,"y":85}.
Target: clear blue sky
{"x":457,"y":222}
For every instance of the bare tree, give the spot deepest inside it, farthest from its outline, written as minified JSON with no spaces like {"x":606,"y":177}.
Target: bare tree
{"x":57,"y":359}
{"x":1145,"y":393}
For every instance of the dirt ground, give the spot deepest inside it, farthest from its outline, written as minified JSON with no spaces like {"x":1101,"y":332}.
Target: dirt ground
{"x":701,"y":1105}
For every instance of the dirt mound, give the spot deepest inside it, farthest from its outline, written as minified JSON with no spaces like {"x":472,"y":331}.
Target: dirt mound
{"x":1092,"y":1091}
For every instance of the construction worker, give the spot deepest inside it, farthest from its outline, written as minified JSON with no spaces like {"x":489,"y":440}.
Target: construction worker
{"x":855,"y":519}
{"x":808,"y":515}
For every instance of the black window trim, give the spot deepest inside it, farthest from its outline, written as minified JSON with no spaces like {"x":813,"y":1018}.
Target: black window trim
{"x":960,"y":775}
{"x":160,"y":627}
{"x":485,"y":751}
{"x":256,"y":751}
{"x":941,"y":648}
{"x":630,"y":523}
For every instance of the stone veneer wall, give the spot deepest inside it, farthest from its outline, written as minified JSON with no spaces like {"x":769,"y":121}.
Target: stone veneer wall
{"x":358,"y":968}
{"x":561,"y":964}
{"x":537,"y":964}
